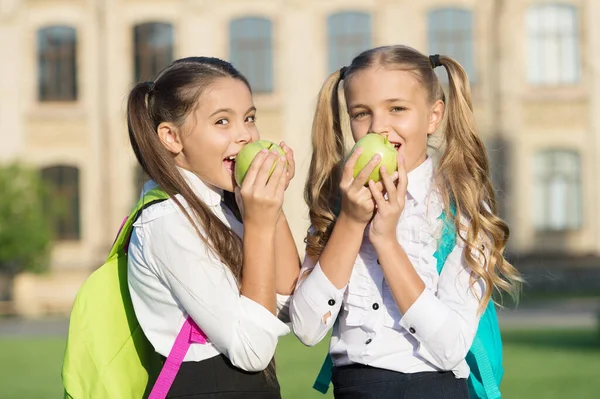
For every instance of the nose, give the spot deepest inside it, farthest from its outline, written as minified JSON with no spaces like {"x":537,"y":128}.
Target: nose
{"x":379,"y":124}
{"x":245,"y":135}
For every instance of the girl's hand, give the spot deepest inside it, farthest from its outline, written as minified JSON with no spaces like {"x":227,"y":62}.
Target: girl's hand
{"x":387,"y":214}
{"x":261,"y":197}
{"x":291,"y":164}
{"x":357,"y":200}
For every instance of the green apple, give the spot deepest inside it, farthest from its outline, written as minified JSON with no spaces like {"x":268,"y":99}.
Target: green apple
{"x":245,"y":157}
{"x":372,"y":144}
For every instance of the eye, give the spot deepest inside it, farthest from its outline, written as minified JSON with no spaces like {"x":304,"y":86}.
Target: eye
{"x":398,"y":109}
{"x":359,"y":115}
{"x":222,"y":121}
{"x":251,"y":118}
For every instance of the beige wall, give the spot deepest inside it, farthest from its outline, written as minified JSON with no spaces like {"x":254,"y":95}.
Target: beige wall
{"x":91,"y":133}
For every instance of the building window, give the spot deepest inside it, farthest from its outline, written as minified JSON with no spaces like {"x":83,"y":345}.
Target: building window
{"x":349,"y":34}
{"x":153,"y":44}
{"x":57,"y":64}
{"x":450,"y":32}
{"x":557,"y":190}
{"x":553,"y":52}
{"x":63,"y":185}
{"x":251,"y":51}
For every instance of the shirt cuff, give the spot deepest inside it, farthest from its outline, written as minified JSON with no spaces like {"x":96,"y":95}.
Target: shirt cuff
{"x":425,"y":317}
{"x":262,"y":317}
{"x":320,"y":293}
{"x":283,"y":307}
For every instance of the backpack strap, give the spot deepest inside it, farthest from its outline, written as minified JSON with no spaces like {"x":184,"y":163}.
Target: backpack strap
{"x":122,"y":240}
{"x":478,"y":351}
{"x":485,"y":369}
{"x":324,"y":378}
{"x":189,"y":334}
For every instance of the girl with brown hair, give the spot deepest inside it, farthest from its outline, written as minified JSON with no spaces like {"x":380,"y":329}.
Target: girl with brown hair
{"x":228,"y":261}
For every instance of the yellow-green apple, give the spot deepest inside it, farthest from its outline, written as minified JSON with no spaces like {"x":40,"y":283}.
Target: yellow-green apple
{"x":372,"y":144}
{"x":246,"y":155}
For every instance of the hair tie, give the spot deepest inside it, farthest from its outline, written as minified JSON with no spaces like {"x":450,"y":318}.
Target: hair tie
{"x":434,"y":60}
{"x":150,"y":87}
{"x":343,"y":72}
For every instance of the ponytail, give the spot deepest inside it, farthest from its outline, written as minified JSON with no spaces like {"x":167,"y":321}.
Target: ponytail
{"x":182,"y":84}
{"x":463,"y":176}
{"x":322,"y":186}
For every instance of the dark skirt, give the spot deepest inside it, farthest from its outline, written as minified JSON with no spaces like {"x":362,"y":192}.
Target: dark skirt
{"x":217,"y":378}
{"x":358,"y":381}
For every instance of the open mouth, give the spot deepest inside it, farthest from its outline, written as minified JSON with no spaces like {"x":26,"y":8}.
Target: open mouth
{"x":229,"y":163}
{"x":397,"y":146}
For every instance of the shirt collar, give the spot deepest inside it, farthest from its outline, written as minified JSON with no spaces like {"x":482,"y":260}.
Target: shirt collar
{"x":211,"y":196}
{"x":419,"y":180}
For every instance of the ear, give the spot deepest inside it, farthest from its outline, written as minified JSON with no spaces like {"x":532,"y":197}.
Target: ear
{"x":170,"y":137}
{"x":436,"y":116}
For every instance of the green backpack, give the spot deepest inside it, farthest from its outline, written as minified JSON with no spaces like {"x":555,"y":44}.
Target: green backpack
{"x":485,"y":356}
{"x":107,"y":354}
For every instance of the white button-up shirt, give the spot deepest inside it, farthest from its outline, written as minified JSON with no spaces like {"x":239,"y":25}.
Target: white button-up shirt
{"x":434,"y":334}
{"x":172,"y":273}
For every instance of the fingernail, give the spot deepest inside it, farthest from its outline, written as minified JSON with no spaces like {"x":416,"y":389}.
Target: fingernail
{"x":274,"y":152}
{"x":377,"y":157}
{"x":263,"y":151}
{"x":282,"y":158}
{"x":401,"y":158}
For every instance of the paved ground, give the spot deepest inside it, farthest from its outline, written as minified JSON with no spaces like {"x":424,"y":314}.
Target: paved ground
{"x":564,"y":313}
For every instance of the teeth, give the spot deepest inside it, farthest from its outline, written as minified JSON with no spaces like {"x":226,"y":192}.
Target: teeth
{"x":231,"y":158}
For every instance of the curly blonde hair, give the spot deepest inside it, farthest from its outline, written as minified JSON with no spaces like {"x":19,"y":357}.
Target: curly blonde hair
{"x":462,"y":175}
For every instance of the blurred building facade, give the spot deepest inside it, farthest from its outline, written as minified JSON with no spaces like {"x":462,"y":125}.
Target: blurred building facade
{"x":67,"y":66}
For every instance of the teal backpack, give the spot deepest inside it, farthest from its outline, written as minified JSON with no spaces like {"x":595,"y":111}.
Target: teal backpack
{"x":484,"y":357}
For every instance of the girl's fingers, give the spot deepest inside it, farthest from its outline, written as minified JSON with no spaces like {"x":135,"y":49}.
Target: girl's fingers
{"x":278,"y":175}
{"x":377,"y":195}
{"x":388,"y":183}
{"x":348,"y":173}
{"x":263,"y":174}
{"x":289,"y":156}
{"x":252,"y":172}
{"x":363,"y":176}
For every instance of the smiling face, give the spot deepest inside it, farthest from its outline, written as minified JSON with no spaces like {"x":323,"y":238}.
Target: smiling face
{"x":222,"y":122}
{"x":394,"y":103}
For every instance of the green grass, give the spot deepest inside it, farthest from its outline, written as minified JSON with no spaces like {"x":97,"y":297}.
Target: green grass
{"x":30,"y":368}
{"x":539,"y":364}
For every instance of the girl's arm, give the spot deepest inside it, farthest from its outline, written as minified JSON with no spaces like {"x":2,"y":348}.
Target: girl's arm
{"x":444,"y":322}
{"x":286,"y":258}
{"x":320,"y":291}
{"x":286,"y":254}
{"x":318,"y":298}
{"x":239,"y":326}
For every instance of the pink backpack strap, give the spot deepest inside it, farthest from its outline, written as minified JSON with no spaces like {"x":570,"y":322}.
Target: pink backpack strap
{"x":190,"y":334}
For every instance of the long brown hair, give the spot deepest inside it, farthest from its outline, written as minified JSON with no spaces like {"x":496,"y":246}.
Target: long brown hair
{"x":462,"y":175}
{"x":171,"y":98}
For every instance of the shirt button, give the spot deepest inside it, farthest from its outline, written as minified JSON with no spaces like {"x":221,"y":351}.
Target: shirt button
{"x":375,"y":306}
{"x":412,"y":330}
{"x":331,"y":302}
{"x":369,"y":341}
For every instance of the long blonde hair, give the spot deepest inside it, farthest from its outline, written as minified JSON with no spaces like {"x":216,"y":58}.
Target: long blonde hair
{"x":462,"y":175}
